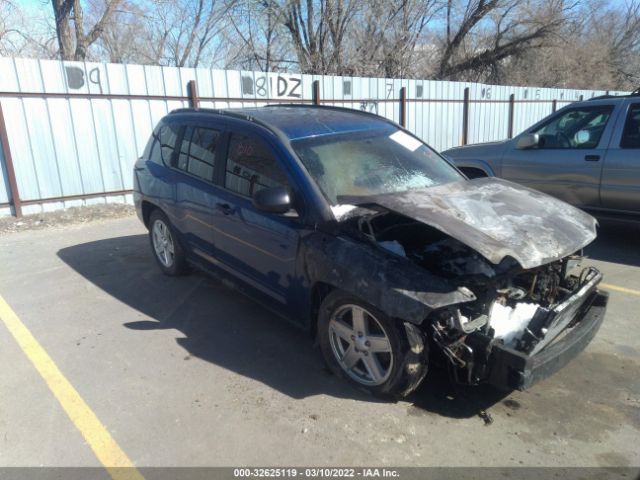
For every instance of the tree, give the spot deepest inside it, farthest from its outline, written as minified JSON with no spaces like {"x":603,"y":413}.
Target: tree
{"x":388,"y":36}
{"x":127,"y":37}
{"x":482,"y":33}
{"x":8,"y":33}
{"x":259,"y":25}
{"x":182,"y":31}
{"x":73,"y":44}
{"x":317,"y":31}
{"x":597,"y":46}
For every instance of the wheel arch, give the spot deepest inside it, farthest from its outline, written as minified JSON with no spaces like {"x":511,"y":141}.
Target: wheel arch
{"x":476,"y":169}
{"x":319,"y":291}
{"x":395,"y":286}
{"x":147,"y":207}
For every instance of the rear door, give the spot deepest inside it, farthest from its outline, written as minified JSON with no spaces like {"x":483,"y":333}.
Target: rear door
{"x":568,"y":162}
{"x":620,"y":188}
{"x":199,"y":149}
{"x":258,"y":247}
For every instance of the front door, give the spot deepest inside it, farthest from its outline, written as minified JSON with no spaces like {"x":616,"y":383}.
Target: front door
{"x":568,"y":161}
{"x":258,"y":247}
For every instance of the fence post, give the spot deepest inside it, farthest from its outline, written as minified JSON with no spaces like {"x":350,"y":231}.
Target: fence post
{"x":465,"y":117}
{"x":403,"y":107}
{"x":512,"y":106}
{"x":192,"y":90}
{"x":8,"y":162}
{"x":554,"y":106}
{"x":316,"y":92}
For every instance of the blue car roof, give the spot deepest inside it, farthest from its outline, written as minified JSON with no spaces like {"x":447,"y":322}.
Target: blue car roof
{"x":300,"y":121}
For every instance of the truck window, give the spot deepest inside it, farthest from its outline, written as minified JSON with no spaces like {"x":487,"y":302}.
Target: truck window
{"x":578,"y":128}
{"x":631,"y":132}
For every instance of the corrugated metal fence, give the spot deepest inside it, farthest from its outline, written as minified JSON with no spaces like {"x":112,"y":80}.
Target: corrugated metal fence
{"x":72,"y":130}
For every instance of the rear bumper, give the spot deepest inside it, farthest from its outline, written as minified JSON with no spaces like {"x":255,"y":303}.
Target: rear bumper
{"x":512,"y":369}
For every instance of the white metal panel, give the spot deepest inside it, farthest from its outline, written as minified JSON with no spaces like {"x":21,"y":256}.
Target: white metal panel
{"x":28,"y":74}
{"x":20,"y":145}
{"x":64,"y":139}
{"x":88,"y":155}
{"x":112,"y":174}
{"x":9,"y":77}
{"x":4,"y":194}
{"x":125,"y":134}
{"x":70,"y":146}
{"x":42,"y":148}
{"x":53,"y":76}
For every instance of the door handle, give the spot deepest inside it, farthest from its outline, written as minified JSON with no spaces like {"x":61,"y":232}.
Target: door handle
{"x":592,"y":158}
{"x":225,"y":208}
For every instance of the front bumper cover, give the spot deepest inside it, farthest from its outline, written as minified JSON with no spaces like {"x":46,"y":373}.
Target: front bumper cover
{"x":512,"y":369}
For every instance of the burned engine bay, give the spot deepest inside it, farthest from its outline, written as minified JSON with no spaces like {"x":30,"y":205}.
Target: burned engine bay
{"x":523,"y":309}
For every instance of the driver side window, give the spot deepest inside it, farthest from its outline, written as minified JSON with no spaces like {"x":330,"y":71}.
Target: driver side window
{"x":251,"y":166}
{"x":577,"y":128}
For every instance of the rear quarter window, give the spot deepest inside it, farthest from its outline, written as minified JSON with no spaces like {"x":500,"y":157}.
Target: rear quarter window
{"x":164,"y":143}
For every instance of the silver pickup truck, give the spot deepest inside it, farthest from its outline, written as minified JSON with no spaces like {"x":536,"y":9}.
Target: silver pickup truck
{"x":587,"y":154}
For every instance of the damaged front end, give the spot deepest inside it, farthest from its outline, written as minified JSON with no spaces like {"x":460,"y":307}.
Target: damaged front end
{"x":527,"y":325}
{"x":535,"y":306}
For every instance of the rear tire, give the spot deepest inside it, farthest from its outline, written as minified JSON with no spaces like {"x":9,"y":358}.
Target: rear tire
{"x":373,"y":352}
{"x":165,"y":246}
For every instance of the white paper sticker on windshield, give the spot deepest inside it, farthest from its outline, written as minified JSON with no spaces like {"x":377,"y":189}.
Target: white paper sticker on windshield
{"x":407,"y":141}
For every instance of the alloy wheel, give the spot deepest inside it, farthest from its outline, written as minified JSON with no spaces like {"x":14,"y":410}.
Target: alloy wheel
{"x":360,"y":345}
{"x":163,"y":243}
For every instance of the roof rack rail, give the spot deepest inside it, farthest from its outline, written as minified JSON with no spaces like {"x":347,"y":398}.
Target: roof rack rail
{"x":229,"y":113}
{"x":635,"y":93}
{"x":328,"y":107}
{"x":602,"y":97}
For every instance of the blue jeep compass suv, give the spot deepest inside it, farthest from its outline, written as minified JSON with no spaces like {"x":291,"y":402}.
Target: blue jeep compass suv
{"x":351,"y":227}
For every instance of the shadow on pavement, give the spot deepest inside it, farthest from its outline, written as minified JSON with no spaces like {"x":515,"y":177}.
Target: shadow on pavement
{"x":226,"y":328}
{"x":616,"y":243}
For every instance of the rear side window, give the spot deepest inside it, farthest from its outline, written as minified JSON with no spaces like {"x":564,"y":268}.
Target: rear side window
{"x":251,"y":166}
{"x":198,"y":152}
{"x":631,"y":132}
{"x":576,"y":128}
{"x":164,"y":144}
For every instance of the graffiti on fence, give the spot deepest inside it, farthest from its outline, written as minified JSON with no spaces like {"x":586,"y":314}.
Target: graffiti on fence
{"x":76,"y":77}
{"x":370,"y":106}
{"x":278,"y":86}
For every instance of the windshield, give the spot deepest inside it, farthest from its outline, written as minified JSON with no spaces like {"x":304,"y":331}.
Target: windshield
{"x":371,"y":163}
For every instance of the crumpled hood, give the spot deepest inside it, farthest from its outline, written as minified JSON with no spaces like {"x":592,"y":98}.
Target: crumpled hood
{"x":496,"y":218}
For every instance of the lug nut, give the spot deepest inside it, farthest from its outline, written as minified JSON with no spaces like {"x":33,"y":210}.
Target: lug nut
{"x":367,"y":343}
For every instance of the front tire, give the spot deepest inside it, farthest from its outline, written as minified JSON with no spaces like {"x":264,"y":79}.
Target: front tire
{"x":370,"y":350}
{"x":165,"y":246}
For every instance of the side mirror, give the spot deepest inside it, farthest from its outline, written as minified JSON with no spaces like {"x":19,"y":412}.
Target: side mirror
{"x":528,"y":140}
{"x":272,"y":200}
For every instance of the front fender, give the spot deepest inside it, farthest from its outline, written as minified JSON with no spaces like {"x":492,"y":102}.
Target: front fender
{"x":393,"y":284}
